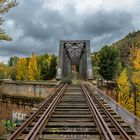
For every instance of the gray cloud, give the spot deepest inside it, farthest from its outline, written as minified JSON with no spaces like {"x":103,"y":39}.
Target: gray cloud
{"x":103,"y":22}
{"x":39,"y":29}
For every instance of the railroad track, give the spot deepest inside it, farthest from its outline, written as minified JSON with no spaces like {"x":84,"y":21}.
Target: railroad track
{"x":74,"y":112}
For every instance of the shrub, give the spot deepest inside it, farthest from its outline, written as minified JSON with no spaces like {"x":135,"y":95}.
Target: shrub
{"x":66,"y":80}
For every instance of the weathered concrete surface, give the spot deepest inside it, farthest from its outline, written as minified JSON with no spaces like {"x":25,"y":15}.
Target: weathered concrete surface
{"x":8,"y":110}
{"x":28,"y":89}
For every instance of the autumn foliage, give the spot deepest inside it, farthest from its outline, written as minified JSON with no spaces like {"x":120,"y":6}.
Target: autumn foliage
{"x":126,"y":75}
{"x":125,"y":97}
{"x":129,"y":85}
{"x":42,"y":67}
{"x":36,"y":68}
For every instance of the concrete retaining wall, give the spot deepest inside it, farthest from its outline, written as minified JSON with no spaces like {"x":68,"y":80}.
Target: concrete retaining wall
{"x":28,"y":89}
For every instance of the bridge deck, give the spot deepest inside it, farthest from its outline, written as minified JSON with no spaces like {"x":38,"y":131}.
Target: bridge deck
{"x":74,"y":112}
{"x":131,"y":119}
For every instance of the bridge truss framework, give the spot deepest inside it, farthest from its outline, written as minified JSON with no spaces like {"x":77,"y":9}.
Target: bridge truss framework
{"x":74,"y":53}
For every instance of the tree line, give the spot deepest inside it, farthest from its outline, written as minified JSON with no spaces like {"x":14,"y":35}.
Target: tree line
{"x":108,"y":65}
{"x":42,"y":67}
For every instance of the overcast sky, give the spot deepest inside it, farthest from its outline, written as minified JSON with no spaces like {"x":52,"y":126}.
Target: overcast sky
{"x":38,"y":25}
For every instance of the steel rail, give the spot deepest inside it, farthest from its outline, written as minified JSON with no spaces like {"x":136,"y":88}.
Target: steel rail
{"x":104,"y":130}
{"x":123,"y":134}
{"x":36,"y":131}
{"x":17,"y":133}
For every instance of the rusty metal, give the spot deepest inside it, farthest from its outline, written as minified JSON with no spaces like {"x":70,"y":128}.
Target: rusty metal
{"x":123,"y":134}
{"x":29,"y":120}
{"x":37,"y":129}
{"x":104,"y":129}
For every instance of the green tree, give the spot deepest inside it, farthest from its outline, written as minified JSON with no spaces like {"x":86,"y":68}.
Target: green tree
{"x":53,"y":64}
{"x":45,"y":70}
{"x":5,"y":6}
{"x":33,"y":68}
{"x":43,"y":66}
{"x":12,"y":61}
{"x":12,"y":65}
{"x":109,"y":62}
{"x":47,"y":64}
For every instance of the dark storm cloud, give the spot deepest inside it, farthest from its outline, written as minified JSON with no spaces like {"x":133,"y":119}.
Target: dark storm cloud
{"x":43,"y":28}
{"x":103,"y":22}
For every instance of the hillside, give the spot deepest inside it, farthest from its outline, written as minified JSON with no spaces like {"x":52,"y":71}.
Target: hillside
{"x":127,"y":45}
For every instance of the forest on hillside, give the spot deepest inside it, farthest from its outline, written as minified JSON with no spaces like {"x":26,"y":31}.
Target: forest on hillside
{"x":123,"y":69}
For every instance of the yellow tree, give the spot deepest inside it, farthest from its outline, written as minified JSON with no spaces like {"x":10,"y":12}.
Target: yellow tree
{"x":125,"y":98}
{"x":4,"y":71}
{"x":21,"y":69}
{"x":136,"y":60}
{"x":136,"y":80}
{"x":33,"y":71}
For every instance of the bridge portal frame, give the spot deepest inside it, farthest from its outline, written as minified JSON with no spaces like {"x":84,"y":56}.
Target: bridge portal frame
{"x":64,"y":63}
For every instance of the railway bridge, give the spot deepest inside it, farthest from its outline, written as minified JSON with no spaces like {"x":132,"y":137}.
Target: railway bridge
{"x":74,"y":55}
{"x":77,"y":111}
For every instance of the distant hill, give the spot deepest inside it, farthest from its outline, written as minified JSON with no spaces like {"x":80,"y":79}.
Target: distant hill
{"x":127,"y":45}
